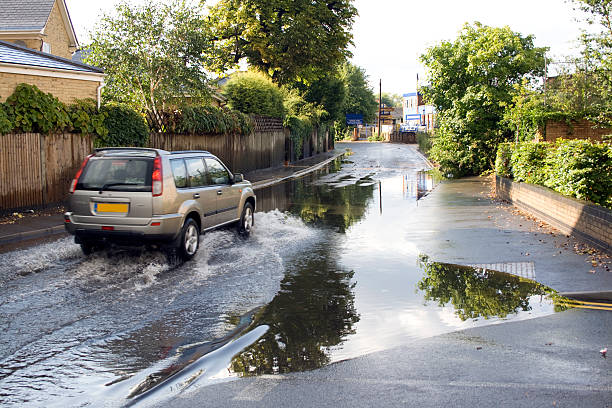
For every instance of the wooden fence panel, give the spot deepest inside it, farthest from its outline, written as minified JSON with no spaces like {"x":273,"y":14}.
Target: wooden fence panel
{"x":36,"y":170}
{"x":20,"y":174}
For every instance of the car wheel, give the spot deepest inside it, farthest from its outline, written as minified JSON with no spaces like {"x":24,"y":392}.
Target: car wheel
{"x":247,"y":220}
{"x":189,"y":239}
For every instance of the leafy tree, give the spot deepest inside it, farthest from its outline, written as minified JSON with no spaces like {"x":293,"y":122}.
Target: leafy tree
{"x":391,"y":100}
{"x":288,"y":40}
{"x":359,"y":95}
{"x":596,"y":61}
{"x":153,"y":55}
{"x":471,"y":82}
{"x":330,"y":93}
{"x":252,"y":92}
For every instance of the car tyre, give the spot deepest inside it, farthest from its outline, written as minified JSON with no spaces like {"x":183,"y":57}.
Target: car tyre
{"x":247,"y":221}
{"x":189,"y":240}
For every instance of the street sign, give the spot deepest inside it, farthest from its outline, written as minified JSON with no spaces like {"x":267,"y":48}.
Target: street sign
{"x":354,"y":119}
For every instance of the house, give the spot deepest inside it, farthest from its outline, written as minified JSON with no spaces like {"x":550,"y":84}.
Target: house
{"x":41,"y":25}
{"x":65,"y":79}
{"x":37,"y":41}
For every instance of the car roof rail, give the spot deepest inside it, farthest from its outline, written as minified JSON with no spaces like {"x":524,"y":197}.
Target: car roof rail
{"x":146,"y":149}
{"x":190,"y":151}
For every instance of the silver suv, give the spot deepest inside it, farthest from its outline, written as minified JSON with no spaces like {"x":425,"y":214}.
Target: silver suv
{"x":135,"y":196}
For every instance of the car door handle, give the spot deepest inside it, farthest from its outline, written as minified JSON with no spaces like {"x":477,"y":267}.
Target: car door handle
{"x":220,"y":192}
{"x":196,"y":195}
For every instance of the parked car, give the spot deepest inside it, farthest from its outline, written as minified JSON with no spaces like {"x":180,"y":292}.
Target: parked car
{"x":135,"y":196}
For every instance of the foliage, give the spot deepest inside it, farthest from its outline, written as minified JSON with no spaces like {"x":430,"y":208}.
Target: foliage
{"x":6,"y":125}
{"x":302,"y":117}
{"x":472,"y":81}
{"x":299,"y":40}
{"x":575,"y":168}
{"x":425,"y":141}
{"x":581,"y":169}
{"x":152,"y":54}
{"x":31,"y":110}
{"x":342,"y":131}
{"x":476,"y":293}
{"x":597,"y":57}
{"x":392,"y":100}
{"x":205,"y":120}
{"x":86,"y":118}
{"x":527,"y":161}
{"x":376,"y":138}
{"x":329,"y":93}
{"x":359,"y":96}
{"x":125,"y":127}
{"x":252,"y":92}
{"x":503,"y":168}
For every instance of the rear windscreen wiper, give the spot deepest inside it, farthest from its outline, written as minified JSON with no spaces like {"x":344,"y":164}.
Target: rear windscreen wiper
{"x":104,"y":187}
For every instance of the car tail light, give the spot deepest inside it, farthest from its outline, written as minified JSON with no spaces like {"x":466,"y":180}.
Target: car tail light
{"x":158,"y":186}
{"x":78,"y":175}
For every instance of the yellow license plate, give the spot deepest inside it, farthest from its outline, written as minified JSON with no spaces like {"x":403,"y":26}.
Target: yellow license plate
{"x":111,"y":208}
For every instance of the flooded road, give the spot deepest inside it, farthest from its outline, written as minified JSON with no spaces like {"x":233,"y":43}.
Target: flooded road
{"x":334,"y":270}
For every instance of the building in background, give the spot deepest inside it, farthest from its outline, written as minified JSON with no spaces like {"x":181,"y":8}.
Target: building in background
{"x":37,"y":41}
{"x":41,"y":25}
{"x":417,"y":115}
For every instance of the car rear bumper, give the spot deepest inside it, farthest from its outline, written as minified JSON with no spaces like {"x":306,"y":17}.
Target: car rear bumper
{"x":161,"y":228}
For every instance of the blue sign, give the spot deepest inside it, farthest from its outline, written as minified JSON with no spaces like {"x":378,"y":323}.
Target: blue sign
{"x":354,"y":119}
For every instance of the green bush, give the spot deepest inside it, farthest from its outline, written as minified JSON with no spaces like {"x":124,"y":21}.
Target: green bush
{"x":581,"y":169}
{"x":424,"y":141}
{"x":528,"y":162}
{"x":503,"y":167}
{"x":575,"y":168}
{"x":125,"y":127}
{"x":86,"y":118}
{"x":203,"y":120}
{"x":5,"y":123}
{"x":251,"y":92}
{"x":32,"y":110}
{"x":299,"y":130}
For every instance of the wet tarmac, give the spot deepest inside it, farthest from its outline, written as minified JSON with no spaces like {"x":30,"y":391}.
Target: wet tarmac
{"x":334,"y":270}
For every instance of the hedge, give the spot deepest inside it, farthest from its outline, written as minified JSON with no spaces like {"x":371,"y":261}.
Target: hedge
{"x":29,"y":109}
{"x":575,"y":168}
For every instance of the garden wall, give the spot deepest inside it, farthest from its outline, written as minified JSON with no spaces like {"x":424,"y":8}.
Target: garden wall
{"x":586,"y":221}
{"x":581,"y":129}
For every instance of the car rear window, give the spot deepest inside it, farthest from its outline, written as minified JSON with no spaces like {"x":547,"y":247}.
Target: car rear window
{"x":117,"y":174}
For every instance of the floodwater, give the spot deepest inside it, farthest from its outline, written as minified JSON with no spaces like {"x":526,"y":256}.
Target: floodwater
{"x":332,"y":271}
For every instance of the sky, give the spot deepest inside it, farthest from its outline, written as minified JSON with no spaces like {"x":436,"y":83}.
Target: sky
{"x":390,"y":35}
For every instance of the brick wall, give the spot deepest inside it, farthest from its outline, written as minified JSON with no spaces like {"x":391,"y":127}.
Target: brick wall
{"x":582,"y":129}
{"x":56,"y":34}
{"x":66,"y":90}
{"x":586,"y":221}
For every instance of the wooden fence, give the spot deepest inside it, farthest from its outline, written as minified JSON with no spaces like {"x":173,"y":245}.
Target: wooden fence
{"x":36,"y":170}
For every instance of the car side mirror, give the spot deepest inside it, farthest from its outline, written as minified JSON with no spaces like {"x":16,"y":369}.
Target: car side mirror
{"x":238,"y":178}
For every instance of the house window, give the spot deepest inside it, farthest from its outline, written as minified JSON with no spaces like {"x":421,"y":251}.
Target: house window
{"x":46,"y":47}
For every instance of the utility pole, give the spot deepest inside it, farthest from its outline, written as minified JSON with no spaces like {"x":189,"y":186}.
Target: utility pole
{"x":379,"y":104}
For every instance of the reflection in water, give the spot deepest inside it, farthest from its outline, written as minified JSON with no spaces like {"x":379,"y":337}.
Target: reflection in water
{"x":475,"y":292}
{"x":337,"y":205}
{"x":313,"y":311}
{"x":417,"y":185}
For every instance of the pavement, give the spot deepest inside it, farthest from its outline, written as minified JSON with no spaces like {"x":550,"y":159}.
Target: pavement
{"x":36,"y":225}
